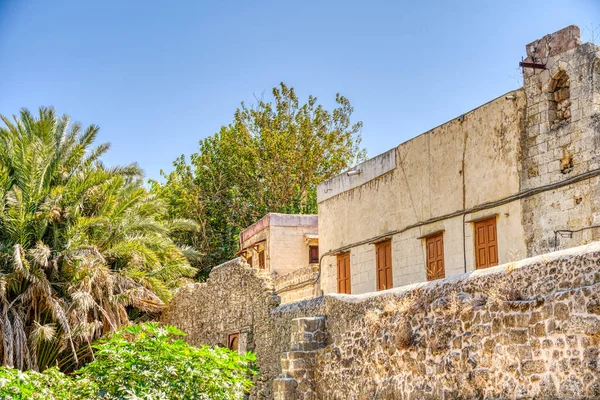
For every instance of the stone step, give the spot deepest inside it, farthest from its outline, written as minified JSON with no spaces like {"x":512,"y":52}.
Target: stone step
{"x":298,"y":364}
{"x":284,"y":389}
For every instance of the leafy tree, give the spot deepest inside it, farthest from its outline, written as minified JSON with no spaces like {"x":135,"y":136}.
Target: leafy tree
{"x":82,"y":246}
{"x":270,"y":158}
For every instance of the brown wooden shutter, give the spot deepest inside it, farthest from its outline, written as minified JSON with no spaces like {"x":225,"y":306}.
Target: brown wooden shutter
{"x":435,"y":257}
{"x":313,"y":254}
{"x":486,"y":243}
{"x":343,"y":273}
{"x":383,"y":252}
{"x":233,"y":342}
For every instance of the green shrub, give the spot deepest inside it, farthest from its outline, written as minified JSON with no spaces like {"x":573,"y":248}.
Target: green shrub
{"x":140,"y":362}
{"x":151,"y":362}
{"x":48,"y":385}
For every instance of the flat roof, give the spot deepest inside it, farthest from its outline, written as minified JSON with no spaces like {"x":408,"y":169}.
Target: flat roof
{"x":278,"y":219}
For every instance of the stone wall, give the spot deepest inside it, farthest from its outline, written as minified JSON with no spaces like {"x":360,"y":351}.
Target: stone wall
{"x":529,"y":329}
{"x":301,"y":284}
{"x":524,"y":330}
{"x":237,"y":298}
{"x":561,"y":140}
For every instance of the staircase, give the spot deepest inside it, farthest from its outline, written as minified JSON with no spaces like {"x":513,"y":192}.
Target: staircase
{"x":297,"y":365}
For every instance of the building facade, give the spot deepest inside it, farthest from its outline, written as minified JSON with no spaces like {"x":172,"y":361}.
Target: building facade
{"x":286,"y":247}
{"x":515,"y":177}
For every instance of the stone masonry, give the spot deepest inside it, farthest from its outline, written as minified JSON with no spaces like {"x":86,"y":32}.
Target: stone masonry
{"x":561,"y":140}
{"x":297,"y":379}
{"x":524,"y":330}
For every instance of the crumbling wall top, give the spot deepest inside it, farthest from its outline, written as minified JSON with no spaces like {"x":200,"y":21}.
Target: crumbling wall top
{"x":553,"y":44}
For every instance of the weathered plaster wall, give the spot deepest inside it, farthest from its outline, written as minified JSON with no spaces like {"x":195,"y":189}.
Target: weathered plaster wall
{"x":288,"y":248}
{"x":546,"y":133}
{"x":283,"y":238}
{"x":455,"y":166}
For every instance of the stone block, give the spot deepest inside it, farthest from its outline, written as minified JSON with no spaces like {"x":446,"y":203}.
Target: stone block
{"x":533,"y":367}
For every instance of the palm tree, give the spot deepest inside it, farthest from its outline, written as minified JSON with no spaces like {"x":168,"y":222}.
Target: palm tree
{"x":83,"y":247}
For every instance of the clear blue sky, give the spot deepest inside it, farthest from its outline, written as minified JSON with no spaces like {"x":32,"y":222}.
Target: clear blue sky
{"x":159,"y":76}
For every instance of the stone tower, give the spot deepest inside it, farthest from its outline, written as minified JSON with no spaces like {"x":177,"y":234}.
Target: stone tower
{"x":561,"y":142}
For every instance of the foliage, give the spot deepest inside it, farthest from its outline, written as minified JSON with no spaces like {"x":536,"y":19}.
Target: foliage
{"x":269,"y":159}
{"x":81,"y":245}
{"x":150,"y":362}
{"x":48,"y":385}
{"x":140,"y":362}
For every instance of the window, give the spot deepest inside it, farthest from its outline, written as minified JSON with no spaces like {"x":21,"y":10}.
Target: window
{"x":343,"y":273}
{"x":383,"y":252}
{"x":486,"y":243}
{"x":261,"y":259}
{"x":249,"y":259}
{"x":313,"y":254}
{"x":233,"y":342}
{"x":434,"y":246}
{"x":560,"y":103}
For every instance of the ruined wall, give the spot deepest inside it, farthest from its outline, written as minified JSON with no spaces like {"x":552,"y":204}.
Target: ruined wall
{"x":529,"y":329}
{"x":561,"y":140}
{"x":239,"y":299}
{"x":460,"y":164}
{"x":519,"y":331}
{"x":301,"y":284}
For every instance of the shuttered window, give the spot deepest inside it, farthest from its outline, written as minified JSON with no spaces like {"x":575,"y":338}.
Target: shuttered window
{"x":435,"y":256}
{"x":261,"y":259}
{"x":384,"y":265}
{"x":233,"y":342}
{"x":313,"y":254}
{"x":486,"y":243}
{"x":343,"y":273}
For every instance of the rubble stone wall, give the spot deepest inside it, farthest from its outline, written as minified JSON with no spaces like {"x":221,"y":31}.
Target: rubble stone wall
{"x":525,"y":330}
{"x":529,"y":329}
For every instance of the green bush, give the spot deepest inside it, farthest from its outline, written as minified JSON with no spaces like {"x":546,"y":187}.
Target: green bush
{"x":140,"y":362}
{"x":48,"y":385}
{"x":150,"y":362}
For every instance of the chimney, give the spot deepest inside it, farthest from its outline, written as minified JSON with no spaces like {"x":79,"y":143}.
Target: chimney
{"x":553,"y":44}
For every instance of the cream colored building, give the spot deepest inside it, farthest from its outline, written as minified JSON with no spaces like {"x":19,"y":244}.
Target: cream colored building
{"x":515,"y":177}
{"x":286,"y":246}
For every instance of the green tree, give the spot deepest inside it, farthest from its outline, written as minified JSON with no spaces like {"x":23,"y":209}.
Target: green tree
{"x":270,"y":158}
{"x":83,"y":247}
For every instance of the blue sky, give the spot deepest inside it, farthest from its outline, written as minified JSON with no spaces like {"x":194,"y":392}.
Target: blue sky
{"x":159,"y":76}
